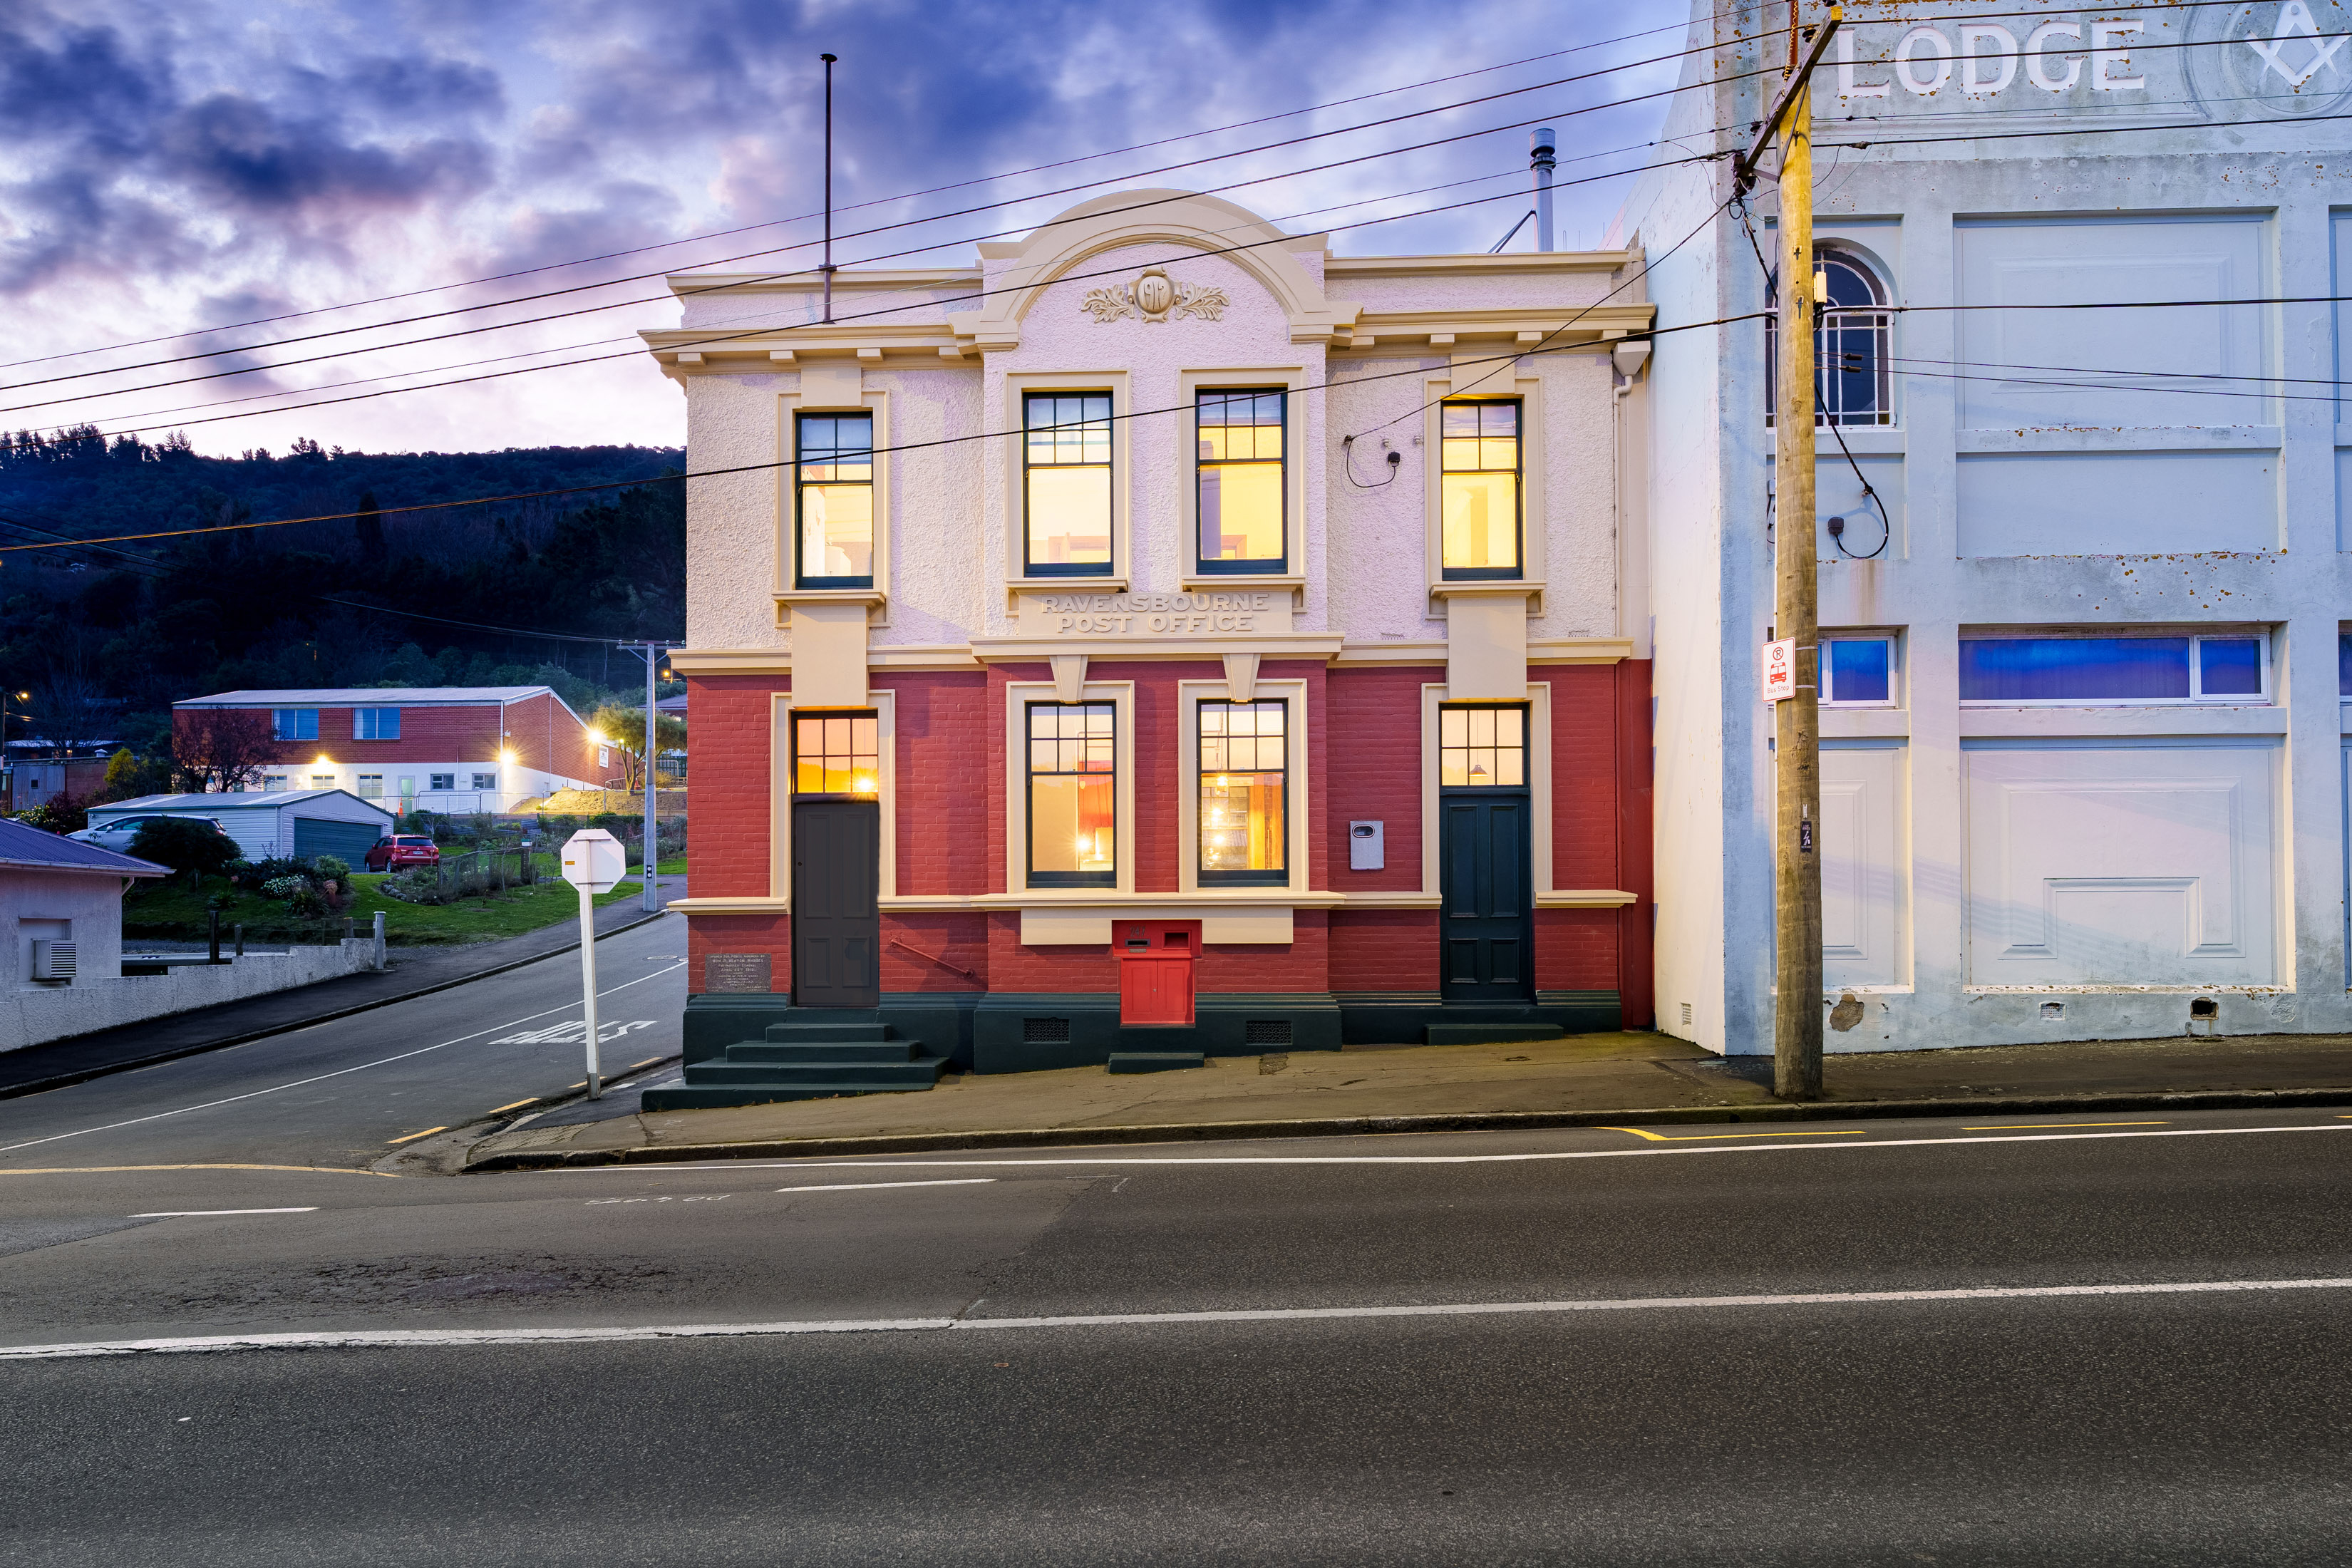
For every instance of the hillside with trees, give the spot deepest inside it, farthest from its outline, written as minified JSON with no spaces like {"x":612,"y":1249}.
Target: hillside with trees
{"x":105,"y":637}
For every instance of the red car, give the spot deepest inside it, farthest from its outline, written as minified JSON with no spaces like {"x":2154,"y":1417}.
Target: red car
{"x":403,"y":849}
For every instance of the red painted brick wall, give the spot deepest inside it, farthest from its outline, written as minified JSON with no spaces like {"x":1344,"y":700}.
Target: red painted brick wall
{"x":1374,"y":774}
{"x":544,"y":733}
{"x":1384,"y":949}
{"x":707,"y":934}
{"x":943,"y":951}
{"x":728,"y":741}
{"x":945,"y":787}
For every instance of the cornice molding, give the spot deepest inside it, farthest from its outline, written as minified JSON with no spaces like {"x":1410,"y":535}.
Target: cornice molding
{"x":1335,"y":268}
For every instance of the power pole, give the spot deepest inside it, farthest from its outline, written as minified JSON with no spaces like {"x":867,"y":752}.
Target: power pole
{"x":649,"y":894}
{"x":1795,"y":610}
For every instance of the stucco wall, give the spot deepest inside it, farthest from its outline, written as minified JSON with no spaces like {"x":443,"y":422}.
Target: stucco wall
{"x":31,"y":1015}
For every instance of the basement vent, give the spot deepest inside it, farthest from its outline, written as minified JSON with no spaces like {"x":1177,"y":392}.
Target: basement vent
{"x":1686,"y":1015}
{"x":1045,"y":1031}
{"x":2204,"y":1008}
{"x":2053,"y":1012}
{"x":1266,"y":1032}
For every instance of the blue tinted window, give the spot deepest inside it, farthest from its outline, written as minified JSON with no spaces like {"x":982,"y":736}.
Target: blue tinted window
{"x":2344,"y":663}
{"x":2229,"y":667}
{"x":2073,"y":670}
{"x":1857,"y":670}
{"x":294,"y":725}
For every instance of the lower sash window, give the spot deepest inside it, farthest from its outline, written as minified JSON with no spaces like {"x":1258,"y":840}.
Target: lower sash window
{"x":1245,"y":793}
{"x":1072,"y":794}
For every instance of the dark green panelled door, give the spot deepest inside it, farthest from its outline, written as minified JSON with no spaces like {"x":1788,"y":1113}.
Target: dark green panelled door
{"x":837,"y":925}
{"x":1486,"y":920}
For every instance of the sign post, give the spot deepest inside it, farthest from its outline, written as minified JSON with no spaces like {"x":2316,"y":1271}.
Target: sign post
{"x":593,"y":861}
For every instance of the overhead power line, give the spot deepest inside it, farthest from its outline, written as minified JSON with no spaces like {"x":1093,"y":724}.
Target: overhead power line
{"x":868,"y":233}
{"x":875,"y":202}
{"x":878,"y":451}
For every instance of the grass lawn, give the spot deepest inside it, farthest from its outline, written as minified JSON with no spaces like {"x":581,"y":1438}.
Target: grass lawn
{"x":177,"y":913}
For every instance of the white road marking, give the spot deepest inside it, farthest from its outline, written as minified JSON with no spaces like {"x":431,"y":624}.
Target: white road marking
{"x":398,"y":1339}
{"x":881,"y":1162}
{"x":299,"y":1083}
{"x":871,"y":1187}
{"x":195,"y":1214}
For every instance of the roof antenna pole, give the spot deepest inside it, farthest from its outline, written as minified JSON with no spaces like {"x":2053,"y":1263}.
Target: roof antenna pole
{"x":1541,"y":146}
{"x":827,"y":268}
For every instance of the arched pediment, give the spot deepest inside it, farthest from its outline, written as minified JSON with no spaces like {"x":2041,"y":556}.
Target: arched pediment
{"x":1021,"y":270}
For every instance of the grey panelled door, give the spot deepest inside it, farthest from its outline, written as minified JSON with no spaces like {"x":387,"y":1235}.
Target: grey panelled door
{"x":836,"y":925}
{"x":1487,"y":916}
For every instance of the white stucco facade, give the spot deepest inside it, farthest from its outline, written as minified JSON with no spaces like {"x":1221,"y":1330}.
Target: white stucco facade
{"x":2000,"y":871}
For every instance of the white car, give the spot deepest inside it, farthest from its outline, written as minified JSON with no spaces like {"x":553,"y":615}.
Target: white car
{"x":117,"y":834}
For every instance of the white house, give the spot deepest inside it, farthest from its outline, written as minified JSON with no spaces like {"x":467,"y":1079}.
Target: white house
{"x":300,"y":824}
{"x":2084,"y":754}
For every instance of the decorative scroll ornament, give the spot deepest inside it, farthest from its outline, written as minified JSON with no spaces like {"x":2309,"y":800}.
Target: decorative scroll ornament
{"x":1155,"y":297}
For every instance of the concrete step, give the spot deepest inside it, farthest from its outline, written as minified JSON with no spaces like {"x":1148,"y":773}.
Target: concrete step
{"x":1486,"y":1033}
{"x":695,"y":1099}
{"x":822,"y":1029}
{"x":720,"y":1074}
{"x":829,"y":1050}
{"x":1156,"y":1061}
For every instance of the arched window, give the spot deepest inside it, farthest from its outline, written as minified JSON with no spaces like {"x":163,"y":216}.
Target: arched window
{"x":1853,"y":384}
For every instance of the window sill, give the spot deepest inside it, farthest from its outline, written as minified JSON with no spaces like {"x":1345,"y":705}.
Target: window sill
{"x":1214,"y":581}
{"x":1446,"y":587}
{"x":1107,"y":585}
{"x":832,"y":596}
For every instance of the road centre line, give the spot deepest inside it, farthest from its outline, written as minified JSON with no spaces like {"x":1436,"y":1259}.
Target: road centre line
{"x":1702,"y":1137}
{"x":321,"y":1078}
{"x":401,"y":1339}
{"x":870,"y":1187}
{"x":203,"y":1214}
{"x":883,"y":1162}
{"x":2049,"y":1126}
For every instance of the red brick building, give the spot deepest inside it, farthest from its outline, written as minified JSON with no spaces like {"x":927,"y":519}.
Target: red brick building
{"x":455,"y":749}
{"x":1168,"y":637}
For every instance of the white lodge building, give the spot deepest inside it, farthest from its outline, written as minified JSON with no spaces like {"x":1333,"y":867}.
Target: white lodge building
{"x":2083,"y":770}
{"x":1066,"y":682}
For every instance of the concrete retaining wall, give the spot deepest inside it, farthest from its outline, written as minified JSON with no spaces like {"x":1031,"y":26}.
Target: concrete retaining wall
{"x":30,"y":1017}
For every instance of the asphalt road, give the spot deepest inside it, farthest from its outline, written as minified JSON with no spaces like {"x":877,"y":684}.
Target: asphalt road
{"x":1581,"y":1346}
{"x":340,"y":1093}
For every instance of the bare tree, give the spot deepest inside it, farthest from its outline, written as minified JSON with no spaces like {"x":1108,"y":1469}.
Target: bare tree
{"x":222,"y":748}
{"x":71,"y":713}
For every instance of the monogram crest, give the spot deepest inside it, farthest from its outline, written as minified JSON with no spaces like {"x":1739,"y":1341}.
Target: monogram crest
{"x":1155,"y":297}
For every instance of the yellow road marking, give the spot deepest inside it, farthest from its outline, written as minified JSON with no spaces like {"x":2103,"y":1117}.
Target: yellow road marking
{"x":514,"y":1105}
{"x":413,"y":1137}
{"x":95,"y":1170}
{"x":2043,"y":1126}
{"x":1695,"y":1137}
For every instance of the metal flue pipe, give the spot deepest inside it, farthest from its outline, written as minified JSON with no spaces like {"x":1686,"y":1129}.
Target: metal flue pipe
{"x":1542,"y":144}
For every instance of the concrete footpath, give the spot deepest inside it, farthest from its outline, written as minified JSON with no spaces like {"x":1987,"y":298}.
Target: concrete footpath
{"x":1579,"y":1082}
{"x":414,"y":972}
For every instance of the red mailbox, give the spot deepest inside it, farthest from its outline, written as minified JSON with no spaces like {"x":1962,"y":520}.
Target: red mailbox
{"x":1155,"y":970}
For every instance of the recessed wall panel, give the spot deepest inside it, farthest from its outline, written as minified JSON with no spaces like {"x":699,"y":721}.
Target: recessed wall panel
{"x":2118,"y":865}
{"x":2031,"y":368}
{"x":1862,"y":868}
{"x":2115,"y":504}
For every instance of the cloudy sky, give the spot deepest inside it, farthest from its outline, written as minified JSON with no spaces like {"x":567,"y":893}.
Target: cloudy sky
{"x":310,"y":191}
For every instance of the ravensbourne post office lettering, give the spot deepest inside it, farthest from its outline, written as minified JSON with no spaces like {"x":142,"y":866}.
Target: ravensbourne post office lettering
{"x":1126,"y":614}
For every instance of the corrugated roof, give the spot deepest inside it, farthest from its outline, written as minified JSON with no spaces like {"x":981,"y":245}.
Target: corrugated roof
{"x":29,"y":848}
{"x":367,"y":697}
{"x":207,"y":804}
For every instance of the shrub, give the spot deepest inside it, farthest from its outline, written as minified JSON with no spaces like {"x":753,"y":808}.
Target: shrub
{"x":184,"y":844}
{"x":259,"y":874}
{"x":284,"y":887}
{"x":63,"y":814}
{"x":330,"y":869}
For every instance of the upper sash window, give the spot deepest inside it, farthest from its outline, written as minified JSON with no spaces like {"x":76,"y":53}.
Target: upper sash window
{"x":1240,"y":474}
{"x":834,"y":488}
{"x":1480,"y":483}
{"x":1065,"y":483}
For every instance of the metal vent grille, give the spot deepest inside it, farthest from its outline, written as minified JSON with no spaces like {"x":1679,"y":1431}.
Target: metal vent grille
{"x":53,"y":959}
{"x":1686,"y":1012}
{"x":1045,"y":1031}
{"x":1266,"y":1032}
